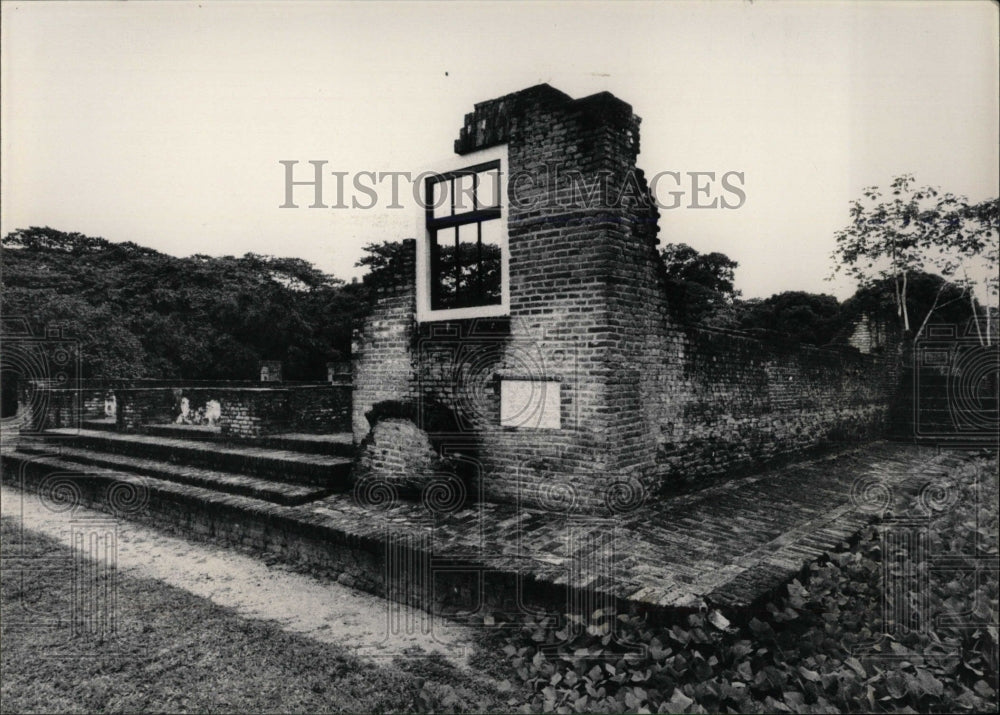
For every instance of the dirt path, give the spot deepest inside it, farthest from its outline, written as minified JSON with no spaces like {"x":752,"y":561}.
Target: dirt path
{"x":326,"y":611}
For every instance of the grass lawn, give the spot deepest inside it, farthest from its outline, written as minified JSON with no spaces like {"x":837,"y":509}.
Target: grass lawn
{"x":176,"y":652}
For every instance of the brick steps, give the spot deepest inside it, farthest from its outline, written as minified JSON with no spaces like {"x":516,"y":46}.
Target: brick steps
{"x":338,"y":444}
{"x":294,"y":467}
{"x":267,"y":490}
{"x":195,"y":432}
{"x":728,"y":545}
{"x":64,"y":484}
{"x":106,"y":424}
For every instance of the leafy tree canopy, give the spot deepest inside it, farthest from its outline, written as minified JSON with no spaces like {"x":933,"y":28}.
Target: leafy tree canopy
{"x":136,"y":312}
{"x":701,"y":284}
{"x":922,"y":230}
{"x":805,"y":317}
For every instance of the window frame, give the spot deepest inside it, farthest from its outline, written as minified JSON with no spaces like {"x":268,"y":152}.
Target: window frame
{"x":427,"y":224}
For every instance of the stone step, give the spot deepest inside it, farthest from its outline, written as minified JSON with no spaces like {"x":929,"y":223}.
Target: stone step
{"x":351,"y":548}
{"x":242,"y":484}
{"x":195,"y":432}
{"x":107,"y":424}
{"x":325,"y":471}
{"x":336,"y":444}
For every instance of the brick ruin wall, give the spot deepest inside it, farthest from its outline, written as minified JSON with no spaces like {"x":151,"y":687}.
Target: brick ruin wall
{"x":49,"y":407}
{"x":138,"y":407}
{"x":647,"y":403}
{"x":246,"y":413}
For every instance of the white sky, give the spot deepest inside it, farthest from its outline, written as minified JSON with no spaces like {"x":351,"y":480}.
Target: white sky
{"x":163,"y":123}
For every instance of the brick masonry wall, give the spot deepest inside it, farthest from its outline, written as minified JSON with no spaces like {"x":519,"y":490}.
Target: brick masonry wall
{"x":320,"y":410}
{"x":645,"y":401}
{"x":250,"y":413}
{"x":138,"y":407}
{"x":93,"y":402}
{"x":46,"y":408}
{"x":738,"y":402}
{"x":398,"y":453}
{"x":383,"y":363}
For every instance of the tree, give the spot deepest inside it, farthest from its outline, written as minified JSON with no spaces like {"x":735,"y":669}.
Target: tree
{"x":921,"y":229}
{"x":701,"y":284}
{"x":806,"y":317}
{"x":136,"y":312}
{"x":384,"y":262}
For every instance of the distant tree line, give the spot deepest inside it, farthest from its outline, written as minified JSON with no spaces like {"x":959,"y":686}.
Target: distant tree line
{"x":136,"y":312}
{"x":701,"y":291}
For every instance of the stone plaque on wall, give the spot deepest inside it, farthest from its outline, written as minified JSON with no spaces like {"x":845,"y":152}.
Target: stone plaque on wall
{"x":530,"y":404}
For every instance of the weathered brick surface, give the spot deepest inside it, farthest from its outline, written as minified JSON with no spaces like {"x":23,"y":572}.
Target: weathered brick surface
{"x":274,"y":491}
{"x":139,"y":406}
{"x":254,"y":413}
{"x":727,"y":545}
{"x":646,"y":402}
{"x":44,"y":407}
{"x":320,"y":409}
{"x":399,"y":453}
{"x":383,"y":364}
{"x":328,"y":471}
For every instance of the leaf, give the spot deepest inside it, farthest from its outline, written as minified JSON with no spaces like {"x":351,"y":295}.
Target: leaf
{"x":810,"y":675}
{"x":702,"y":670}
{"x":896,"y":684}
{"x":657,"y":652}
{"x":855,"y":665}
{"x":929,"y":683}
{"x":639,"y":676}
{"x":679,"y":634}
{"x":759,"y":628}
{"x":718,"y":620}
{"x":744,"y":671}
{"x":983,"y":690}
{"x":741,"y":648}
{"x":794,"y":698}
{"x":679,"y":702}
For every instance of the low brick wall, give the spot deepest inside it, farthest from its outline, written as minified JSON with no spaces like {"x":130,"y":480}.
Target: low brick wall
{"x":738,"y":402}
{"x":140,"y":406}
{"x":249,"y":413}
{"x":246,"y":412}
{"x":320,"y":409}
{"x":48,"y":408}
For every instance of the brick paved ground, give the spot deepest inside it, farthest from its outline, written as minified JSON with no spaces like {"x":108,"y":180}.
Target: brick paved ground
{"x":729,"y":543}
